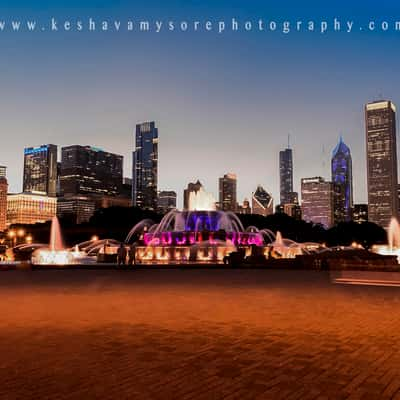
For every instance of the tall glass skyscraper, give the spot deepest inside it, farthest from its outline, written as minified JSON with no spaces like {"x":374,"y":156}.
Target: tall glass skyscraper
{"x":40,"y":170}
{"x":90,"y":170}
{"x":286,"y":174}
{"x":145,"y":166}
{"x":287,"y":196}
{"x":227,"y":192}
{"x":341,"y":168}
{"x":380,"y":126}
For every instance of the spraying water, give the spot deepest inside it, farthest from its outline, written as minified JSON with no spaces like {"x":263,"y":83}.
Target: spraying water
{"x":56,"y":241}
{"x":394,"y":234}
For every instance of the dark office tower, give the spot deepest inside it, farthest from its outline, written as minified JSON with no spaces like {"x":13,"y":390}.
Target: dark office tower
{"x":360,"y":213}
{"x":90,"y":170}
{"x":341,"y":168}
{"x":380,"y":122}
{"x":286,"y":174}
{"x":166,"y":201}
{"x":227,"y":192}
{"x":145,"y":166}
{"x":40,"y":170}
{"x":287,"y":196}
{"x":191,"y":187}
{"x":262,"y":202}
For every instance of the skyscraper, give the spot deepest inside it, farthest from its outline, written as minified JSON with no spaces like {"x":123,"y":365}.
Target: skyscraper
{"x":145,"y":166}
{"x":318,"y":200}
{"x":3,"y":199}
{"x":287,"y":196}
{"x":286,"y":175}
{"x":227,"y":192}
{"x":91,"y":171}
{"x":40,"y":170}
{"x":380,"y":124}
{"x":341,"y":168}
{"x":262,"y":202}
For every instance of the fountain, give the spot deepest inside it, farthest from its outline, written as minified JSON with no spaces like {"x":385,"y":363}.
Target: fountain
{"x":203,"y":234}
{"x":393,"y":246}
{"x":201,"y":201}
{"x":56,"y":253}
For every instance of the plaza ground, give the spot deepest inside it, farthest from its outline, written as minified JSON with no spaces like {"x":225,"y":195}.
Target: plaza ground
{"x":188,"y":334}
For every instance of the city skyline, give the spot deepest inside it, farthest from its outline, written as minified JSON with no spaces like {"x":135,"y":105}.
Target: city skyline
{"x":93,"y":89}
{"x":275,"y":193}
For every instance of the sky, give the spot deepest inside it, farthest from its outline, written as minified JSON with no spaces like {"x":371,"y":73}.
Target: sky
{"x":222,"y":102}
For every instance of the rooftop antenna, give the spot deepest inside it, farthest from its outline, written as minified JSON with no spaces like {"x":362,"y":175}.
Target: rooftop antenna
{"x":288,"y":141}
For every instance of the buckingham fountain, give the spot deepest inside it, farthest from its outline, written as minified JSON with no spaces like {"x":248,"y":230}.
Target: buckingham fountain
{"x":199,"y":235}
{"x":203,"y":234}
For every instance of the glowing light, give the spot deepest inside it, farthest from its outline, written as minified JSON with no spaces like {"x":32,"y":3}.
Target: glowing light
{"x":201,"y":201}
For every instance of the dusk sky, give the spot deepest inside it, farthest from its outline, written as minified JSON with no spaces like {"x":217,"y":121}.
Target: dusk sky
{"x":222,"y":102}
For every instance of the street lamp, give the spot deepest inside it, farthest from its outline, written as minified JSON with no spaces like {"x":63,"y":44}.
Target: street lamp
{"x":13,"y":237}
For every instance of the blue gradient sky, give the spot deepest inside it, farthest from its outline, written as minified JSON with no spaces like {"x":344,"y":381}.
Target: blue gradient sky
{"x":223,"y":103}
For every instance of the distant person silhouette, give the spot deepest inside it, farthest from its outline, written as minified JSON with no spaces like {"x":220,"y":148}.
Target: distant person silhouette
{"x":121,"y":255}
{"x":132,"y":254}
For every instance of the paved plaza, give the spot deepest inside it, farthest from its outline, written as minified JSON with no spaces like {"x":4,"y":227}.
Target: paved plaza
{"x":188,"y":334}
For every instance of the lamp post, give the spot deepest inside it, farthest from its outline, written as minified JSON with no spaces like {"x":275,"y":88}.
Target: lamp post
{"x":20,"y":233}
{"x":16,"y":236}
{"x":13,"y":237}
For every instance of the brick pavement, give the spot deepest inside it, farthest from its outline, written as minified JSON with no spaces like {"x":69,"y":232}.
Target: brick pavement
{"x":196,"y":335}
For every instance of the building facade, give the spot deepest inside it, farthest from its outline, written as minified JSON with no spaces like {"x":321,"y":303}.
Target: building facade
{"x":293,"y":210}
{"x":318,"y":200}
{"x":145,"y":166}
{"x":77,"y":209}
{"x":87,"y":170}
{"x":287,"y":196}
{"x":380,"y":124}
{"x":166,"y":201}
{"x":342,"y":176}
{"x":40,"y":170}
{"x":262,"y":202}
{"x":245,"y":208}
{"x":360,"y":213}
{"x":3,"y":199}
{"x":228,"y":193}
{"x":26,"y":208}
